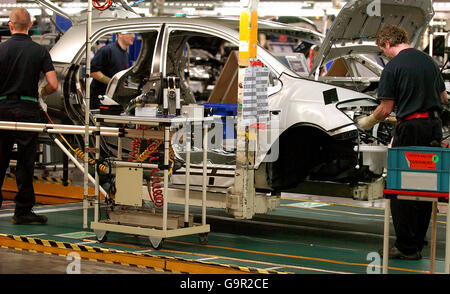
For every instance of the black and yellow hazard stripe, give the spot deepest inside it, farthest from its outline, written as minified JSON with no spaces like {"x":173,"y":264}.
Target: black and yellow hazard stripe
{"x":44,"y":179}
{"x":91,"y":259}
{"x":135,"y":259}
{"x":52,"y":180}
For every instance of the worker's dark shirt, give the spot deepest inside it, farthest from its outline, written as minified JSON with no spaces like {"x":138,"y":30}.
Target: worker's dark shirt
{"x":109,"y":59}
{"x":413,"y":81}
{"x":21,"y":63}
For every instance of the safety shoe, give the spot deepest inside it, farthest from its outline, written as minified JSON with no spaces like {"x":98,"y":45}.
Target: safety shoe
{"x":29,"y":218}
{"x":394,"y":253}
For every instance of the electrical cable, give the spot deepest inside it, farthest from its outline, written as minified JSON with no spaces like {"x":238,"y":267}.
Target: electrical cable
{"x":130,"y":108}
{"x":137,"y":2}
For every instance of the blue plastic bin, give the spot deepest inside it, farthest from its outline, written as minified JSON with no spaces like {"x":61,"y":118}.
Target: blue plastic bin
{"x":418,"y":169}
{"x":223,"y":110}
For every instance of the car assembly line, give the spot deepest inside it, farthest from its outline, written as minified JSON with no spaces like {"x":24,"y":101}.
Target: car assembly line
{"x":238,"y":129}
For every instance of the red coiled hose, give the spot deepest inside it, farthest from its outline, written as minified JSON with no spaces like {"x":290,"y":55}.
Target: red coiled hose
{"x":135,"y":147}
{"x":156,"y":195}
{"x":156,"y":192}
{"x":102,"y":6}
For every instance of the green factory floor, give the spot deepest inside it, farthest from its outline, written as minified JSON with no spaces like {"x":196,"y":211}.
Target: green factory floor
{"x":302,"y":236}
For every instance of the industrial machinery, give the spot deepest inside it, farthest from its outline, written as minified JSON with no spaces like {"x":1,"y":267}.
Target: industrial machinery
{"x":142,"y":208}
{"x":310,"y":141}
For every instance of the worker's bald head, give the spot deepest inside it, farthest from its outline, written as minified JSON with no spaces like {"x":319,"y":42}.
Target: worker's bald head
{"x":20,"y":19}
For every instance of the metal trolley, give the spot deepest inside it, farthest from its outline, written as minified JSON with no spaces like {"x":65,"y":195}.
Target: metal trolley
{"x":151,"y":223}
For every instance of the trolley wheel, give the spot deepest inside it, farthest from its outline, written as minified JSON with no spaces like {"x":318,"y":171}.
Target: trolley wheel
{"x":203,"y":238}
{"x":101,"y":236}
{"x":156,"y":242}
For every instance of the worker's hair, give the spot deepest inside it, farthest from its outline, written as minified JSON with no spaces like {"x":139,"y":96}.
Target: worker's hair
{"x":20,"y":19}
{"x":395,"y":35}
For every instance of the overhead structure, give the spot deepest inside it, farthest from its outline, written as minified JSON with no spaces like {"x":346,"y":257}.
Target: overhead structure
{"x":49,"y":5}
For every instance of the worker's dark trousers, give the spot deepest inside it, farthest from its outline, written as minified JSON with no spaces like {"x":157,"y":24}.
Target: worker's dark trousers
{"x":23,"y":111}
{"x":412,"y":218}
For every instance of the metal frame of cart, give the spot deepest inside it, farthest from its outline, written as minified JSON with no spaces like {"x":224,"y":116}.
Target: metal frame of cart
{"x":417,"y":196}
{"x":155,"y":235}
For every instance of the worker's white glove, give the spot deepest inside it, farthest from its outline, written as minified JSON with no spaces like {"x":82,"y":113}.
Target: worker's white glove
{"x":367,"y":122}
{"x":42,"y":104}
{"x":105,"y":80}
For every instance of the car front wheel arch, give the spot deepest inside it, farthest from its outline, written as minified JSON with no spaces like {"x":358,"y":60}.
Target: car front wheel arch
{"x":299,"y":150}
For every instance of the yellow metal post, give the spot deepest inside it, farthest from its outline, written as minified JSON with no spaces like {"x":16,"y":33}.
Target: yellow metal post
{"x":248,"y":31}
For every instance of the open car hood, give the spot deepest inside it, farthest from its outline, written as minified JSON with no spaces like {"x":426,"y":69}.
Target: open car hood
{"x":355,"y":28}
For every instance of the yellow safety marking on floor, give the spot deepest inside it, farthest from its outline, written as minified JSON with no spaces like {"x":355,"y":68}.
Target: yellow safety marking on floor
{"x":201,"y":254}
{"x":163,"y":263}
{"x":45,"y":179}
{"x":300,"y":257}
{"x":266,"y":253}
{"x":288,"y":266}
{"x":49,"y":193}
{"x":180,"y":252}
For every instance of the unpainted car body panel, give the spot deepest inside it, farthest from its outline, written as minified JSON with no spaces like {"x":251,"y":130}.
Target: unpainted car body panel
{"x":303,"y":100}
{"x":354,"y":29}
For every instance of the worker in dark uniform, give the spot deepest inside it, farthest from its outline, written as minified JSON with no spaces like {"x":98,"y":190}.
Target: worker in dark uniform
{"x":108,"y":61}
{"x":21,"y":63}
{"x":410,"y":84}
